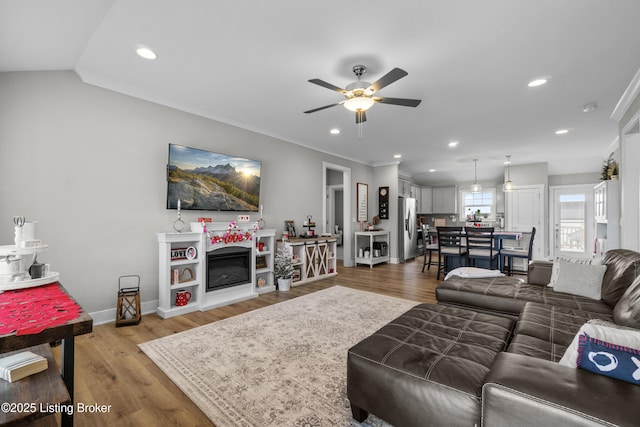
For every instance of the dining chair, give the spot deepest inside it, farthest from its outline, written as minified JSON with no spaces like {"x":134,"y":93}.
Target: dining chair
{"x":429,"y":248}
{"x":481,"y":246}
{"x":508,"y":255}
{"x":450,"y":245}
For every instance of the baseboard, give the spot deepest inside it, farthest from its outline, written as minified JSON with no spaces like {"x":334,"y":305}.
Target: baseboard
{"x":109,"y":316}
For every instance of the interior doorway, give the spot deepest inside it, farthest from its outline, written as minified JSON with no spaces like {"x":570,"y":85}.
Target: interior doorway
{"x":336,"y":180}
{"x":572,"y":230}
{"x":335,"y":214}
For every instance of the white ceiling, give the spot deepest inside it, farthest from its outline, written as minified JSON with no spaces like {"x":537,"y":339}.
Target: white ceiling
{"x":247,"y":62}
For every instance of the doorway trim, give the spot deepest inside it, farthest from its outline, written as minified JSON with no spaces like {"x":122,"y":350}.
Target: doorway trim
{"x":348,"y":260}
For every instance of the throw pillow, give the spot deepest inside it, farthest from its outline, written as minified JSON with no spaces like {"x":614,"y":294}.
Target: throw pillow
{"x":580,"y":279}
{"x":627,"y":310}
{"x":554,"y":268}
{"x":608,"y":359}
{"x":603,"y":331}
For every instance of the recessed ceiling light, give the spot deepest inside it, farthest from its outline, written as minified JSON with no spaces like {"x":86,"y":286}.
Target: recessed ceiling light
{"x":537,"y":82}
{"x":397,"y":156}
{"x":453,"y":143}
{"x":432,"y":170}
{"x":334,"y":131}
{"x":562,"y":131}
{"x":146,"y":53}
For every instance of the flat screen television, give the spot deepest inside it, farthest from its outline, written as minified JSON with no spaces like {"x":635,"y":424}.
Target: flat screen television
{"x":204,"y":180}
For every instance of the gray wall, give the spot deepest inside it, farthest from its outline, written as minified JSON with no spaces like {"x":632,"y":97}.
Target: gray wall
{"x":89,"y":165}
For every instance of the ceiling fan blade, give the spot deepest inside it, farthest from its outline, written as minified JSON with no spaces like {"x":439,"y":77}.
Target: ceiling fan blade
{"x":387,"y":79}
{"x":361,"y":116}
{"x":398,"y":101}
{"x":327,"y":85}
{"x":322,"y":108}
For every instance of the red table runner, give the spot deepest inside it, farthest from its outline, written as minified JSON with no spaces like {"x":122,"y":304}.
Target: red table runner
{"x":32,"y":310}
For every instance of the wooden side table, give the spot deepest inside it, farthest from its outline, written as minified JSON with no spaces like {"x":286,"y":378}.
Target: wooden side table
{"x":30,"y":391}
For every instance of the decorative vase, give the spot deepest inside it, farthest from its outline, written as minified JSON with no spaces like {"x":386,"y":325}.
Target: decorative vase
{"x":284,"y":284}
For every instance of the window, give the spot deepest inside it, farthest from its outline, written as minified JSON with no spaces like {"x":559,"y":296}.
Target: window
{"x":485,"y":201}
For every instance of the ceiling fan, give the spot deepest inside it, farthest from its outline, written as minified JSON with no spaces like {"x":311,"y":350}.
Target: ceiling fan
{"x":359,"y":94}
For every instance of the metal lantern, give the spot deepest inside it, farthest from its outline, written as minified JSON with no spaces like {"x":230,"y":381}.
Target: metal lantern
{"x":128,"y":308}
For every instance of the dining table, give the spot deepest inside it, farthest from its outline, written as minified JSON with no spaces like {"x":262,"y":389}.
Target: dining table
{"x":501,"y":239}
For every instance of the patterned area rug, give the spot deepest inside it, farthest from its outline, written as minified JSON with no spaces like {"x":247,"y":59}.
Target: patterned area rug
{"x":282,"y":365}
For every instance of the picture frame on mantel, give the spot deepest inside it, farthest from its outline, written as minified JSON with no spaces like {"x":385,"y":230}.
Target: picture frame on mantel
{"x":362,"y":191}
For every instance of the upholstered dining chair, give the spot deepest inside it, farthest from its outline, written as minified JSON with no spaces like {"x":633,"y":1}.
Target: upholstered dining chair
{"x":429,"y":248}
{"x":450,"y":245}
{"x":509,"y":254}
{"x":480,"y":246}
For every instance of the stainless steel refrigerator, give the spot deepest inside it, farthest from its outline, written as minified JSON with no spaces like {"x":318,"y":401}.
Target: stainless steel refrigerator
{"x":407,"y":232}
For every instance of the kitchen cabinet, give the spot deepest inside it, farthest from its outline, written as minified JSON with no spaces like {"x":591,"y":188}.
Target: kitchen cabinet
{"x":445,"y":200}
{"x":404,"y":188}
{"x":426,"y":200}
{"x":416,"y":194}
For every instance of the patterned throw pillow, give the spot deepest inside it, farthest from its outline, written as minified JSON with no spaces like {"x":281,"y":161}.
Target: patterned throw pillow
{"x":554,"y":268}
{"x":603,"y":331}
{"x":611,"y":360}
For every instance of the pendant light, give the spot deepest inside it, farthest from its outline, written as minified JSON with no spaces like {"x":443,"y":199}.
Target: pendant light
{"x":475,"y":188}
{"x":508,"y":185}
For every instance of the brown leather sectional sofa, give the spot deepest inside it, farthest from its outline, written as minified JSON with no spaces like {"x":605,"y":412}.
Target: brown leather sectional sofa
{"x":487,"y":355}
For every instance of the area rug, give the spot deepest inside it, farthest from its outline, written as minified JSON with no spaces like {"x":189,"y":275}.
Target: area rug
{"x":282,"y":365}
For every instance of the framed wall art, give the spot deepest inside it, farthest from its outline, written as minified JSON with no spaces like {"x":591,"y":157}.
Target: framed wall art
{"x":362,"y":201}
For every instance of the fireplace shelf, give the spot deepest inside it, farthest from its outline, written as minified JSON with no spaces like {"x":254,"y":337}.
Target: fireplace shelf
{"x":181,"y":257}
{"x":264,"y":260}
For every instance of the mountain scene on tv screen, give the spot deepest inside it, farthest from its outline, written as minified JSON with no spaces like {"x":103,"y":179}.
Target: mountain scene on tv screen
{"x":214,"y":187}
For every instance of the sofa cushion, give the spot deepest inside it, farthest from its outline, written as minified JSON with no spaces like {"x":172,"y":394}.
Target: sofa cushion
{"x":427,"y":364}
{"x":557,"y":325}
{"x":579,"y":278}
{"x":535,"y":347}
{"x":508,"y":295}
{"x":623,"y":266}
{"x":627,"y":310}
{"x":604,"y":331}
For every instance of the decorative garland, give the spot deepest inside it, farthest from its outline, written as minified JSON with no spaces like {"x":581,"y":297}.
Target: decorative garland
{"x":234,"y":234}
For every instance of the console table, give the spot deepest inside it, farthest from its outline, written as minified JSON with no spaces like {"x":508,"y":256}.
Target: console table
{"x":368,"y":239}
{"x":38,"y":388}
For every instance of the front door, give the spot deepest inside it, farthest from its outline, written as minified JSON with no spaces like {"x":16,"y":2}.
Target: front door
{"x":572,"y":220}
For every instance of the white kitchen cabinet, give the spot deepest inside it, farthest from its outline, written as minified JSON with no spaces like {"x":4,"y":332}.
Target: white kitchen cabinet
{"x":416,"y":193}
{"x":426,"y":200}
{"x":404,"y":188}
{"x":445,"y":200}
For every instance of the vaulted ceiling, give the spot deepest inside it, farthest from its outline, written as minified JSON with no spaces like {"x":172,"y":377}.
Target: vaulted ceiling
{"x":248,"y":62}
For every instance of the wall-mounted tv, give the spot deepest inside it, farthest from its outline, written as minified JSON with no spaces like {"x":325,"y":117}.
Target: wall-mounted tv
{"x":204,"y":180}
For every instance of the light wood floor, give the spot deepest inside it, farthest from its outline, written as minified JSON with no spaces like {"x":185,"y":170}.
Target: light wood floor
{"x":111,"y":370}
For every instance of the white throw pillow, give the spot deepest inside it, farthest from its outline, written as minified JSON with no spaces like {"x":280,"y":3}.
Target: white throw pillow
{"x":580,"y":279}
{"x":554,"y":268}
{"x":603,"y":331}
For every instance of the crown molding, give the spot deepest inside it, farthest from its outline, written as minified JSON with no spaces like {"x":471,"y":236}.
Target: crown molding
{"x":629,"y":95}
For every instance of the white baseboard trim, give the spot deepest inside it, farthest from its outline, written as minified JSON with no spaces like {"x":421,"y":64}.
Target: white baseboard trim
{"x":109,"y":316}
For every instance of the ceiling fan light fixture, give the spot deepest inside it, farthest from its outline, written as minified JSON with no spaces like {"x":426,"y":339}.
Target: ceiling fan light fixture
{"x":358,"y":103}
